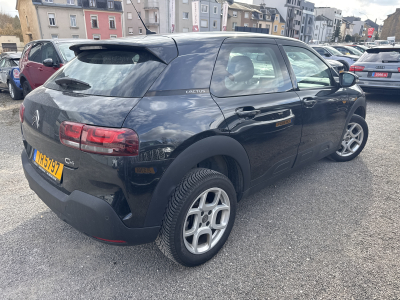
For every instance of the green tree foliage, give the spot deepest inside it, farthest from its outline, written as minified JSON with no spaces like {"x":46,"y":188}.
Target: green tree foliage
{"x":337,"y":34}
{"x":10,"y":25}
{"x":348,"y":38}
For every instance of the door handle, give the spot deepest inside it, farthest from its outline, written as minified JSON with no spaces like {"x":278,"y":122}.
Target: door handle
{"x":309,"y":102}
{"x":247,"y":112}
{"x":40,"y":69}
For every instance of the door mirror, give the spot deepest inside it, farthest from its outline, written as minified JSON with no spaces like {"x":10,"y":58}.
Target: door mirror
{"x":48,"y":62}
{"x":347,"y":79}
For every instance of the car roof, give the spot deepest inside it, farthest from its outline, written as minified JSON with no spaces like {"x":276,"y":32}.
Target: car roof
{"x":15,"y":55}
{"x":60,"y":41}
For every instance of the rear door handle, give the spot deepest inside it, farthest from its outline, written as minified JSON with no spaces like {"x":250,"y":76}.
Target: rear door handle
{"x":247,"y":112}
{"x":309,"y":102}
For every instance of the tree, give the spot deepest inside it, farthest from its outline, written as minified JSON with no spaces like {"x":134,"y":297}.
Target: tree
{"x":337,"y":34}
{"x":348,"y":38}
{"x":376,"y":36}
{"x":10,"y":25}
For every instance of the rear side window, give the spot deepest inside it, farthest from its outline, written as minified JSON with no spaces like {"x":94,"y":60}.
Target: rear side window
{"x":245,"y":69}
{"x":381,"y":56}
{"x":48,"y":51}
{"x":110,"y":73}
{"x":14,"y":62}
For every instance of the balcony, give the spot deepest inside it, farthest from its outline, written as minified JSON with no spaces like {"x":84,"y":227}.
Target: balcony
{"x":152,"y":21}
{"x":150,"y":4}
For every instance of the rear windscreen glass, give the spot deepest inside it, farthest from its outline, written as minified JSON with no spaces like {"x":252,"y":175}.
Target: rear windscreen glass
{"x":66,"y":53}
{"x":384,"y":56}
{"x":115,"y":73}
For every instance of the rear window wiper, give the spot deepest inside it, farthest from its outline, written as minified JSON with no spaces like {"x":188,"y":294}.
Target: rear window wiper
{"x":71,"y":82}
{"x":391,"y":61}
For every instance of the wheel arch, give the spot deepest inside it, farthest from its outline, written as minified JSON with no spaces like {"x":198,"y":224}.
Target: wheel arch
{"x":199,"y":154}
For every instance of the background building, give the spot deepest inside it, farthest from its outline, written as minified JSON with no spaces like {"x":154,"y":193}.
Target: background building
{"x":307,"y":21}
{"x":391,"y":26}
{"x":358,"y":25}
{"x":323,"y":29}
{"x":10,"y":43}
{"x":331,"y":13}
{"x":293,"y":18}
{"x":346,"y":29}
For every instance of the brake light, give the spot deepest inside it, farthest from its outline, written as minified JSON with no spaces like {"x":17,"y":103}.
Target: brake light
{"x":398,"y":69}
{"x":356,"y":68}
{"x":15,"y":73}
{"x":21,"y":113}
{"x":100,"y":140}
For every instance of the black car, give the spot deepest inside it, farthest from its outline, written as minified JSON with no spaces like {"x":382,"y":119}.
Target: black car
{"x":9,"y":74}
{"x":157,"y":138}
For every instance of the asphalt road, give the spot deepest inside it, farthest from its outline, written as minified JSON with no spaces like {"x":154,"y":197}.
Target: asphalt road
{"x":328,"y":231}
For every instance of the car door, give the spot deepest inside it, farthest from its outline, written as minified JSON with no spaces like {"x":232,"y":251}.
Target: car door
{"x":325,"y":105}
{"x":48,"y":51}
{"x":252,"y":86}
{"x":2,"y":74}
{"x":32,"y":67}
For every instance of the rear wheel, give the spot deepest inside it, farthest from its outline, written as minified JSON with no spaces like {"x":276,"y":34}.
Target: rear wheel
{"x":354,"y":140}
{"x":199,"y":218}
{"x":26,"y":88}
{"x":14,"y":93}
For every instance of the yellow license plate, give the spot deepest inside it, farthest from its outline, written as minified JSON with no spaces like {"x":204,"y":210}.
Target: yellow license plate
{"x":51,"y":167}
{"x":281,"y":123}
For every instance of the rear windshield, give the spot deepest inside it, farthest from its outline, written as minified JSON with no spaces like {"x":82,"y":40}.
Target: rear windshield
{"x":381,"y":56}
{"x":113,"y":73}
{"x":66,"y":53}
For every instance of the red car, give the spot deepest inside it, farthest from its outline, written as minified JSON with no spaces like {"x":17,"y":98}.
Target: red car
{"x":41,"y":58}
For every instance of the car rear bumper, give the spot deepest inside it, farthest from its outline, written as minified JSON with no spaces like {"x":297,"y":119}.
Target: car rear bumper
{"x":86,"y":213}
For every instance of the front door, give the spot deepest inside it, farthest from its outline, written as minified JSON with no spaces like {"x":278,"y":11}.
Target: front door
{"x":31,"y":69}
{"x":325,"y":104}
{"x":251,"y":85}
{"x":48,"y":51}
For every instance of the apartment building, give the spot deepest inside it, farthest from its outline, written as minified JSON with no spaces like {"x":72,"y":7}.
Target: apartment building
{"x":278,"y":22}
{"x":293,"y":18}
{"x":346,"y":29}
{"x":239,"y":14}
{"x":323,"y":29}
{"x":391,"y":26}
{"x":358,"y":27}
{"x":307,"y":21}
{"x":331,"y":13}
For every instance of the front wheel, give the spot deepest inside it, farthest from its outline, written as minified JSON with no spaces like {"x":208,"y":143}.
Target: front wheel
{"x":199,"y":218}
{"x":26,"y":88}
{"x":354,"y":140}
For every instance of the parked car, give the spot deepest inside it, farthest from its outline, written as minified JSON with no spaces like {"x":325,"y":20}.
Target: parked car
{"x":332,"y":53}
{"x":336,"y":65}
{"x":360,"y":48}
{"x":369,"y":44}
{"x":346,"y":50}
{"x":381,"y":42}
{"x":156,"y":139}
{"x":42,"y":58}
{"x":379,"y":70}
{"x":9,"y":75}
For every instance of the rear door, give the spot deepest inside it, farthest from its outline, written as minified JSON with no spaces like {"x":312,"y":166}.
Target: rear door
{"x":2,"y":73}
{"x":252,"y":86}
{"x":325,"y":105}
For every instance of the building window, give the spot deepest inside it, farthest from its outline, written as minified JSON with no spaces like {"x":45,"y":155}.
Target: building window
{"x":276,"y":18}
{"x":130,"y":30}
{"x":283,"y":26}
{"x":110,"y":4}
{"x":204,"y":23}
{"x":75,"y":36}
{"x":140,"y":30}
{"x":255,"y":25}
{"x":275,"y":28}
{"x":96,"y":37}
{"x":52,"y":19}
{"x":184,"y":29}
{"x":215,"y":24}
{"x":185,"y":15}
{"x":215,"y":9}
{"x":54,"y":36}
{"x":73,"y":20}
{"x":268,"y":17}
{"x":111,"y":21}
{"x":234,"y":13}
{"x":128,"y":1}
{"x":204,"y":8}
{"x":282,"y":32}
{"x":71,"y":2}
{"x":259,"y":25}
{"x":113,"y":36}
{"x":48,"y":1}
{"x":184,"y":1}
{"x":94,"y":21}
{"x":246,"y":24}
{"x":129,"y":16}
{"x":138,"y":1}
{"x":246,"y":15}
{"x":92,"y":3}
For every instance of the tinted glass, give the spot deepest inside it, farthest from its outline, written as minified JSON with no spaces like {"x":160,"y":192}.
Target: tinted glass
{"x":388,"y":55}
{"x":2,"y":62}
{"x":36,"y":54}
{"x":111,"y":73}
{"x":14,"y":62}
{"x":48,"y":51}
{"x":321,"y":51}
{"x":333,"y":51}
{"x":243,"y":69}
{"x":353,"y":51}
{"x":66,"y":53}
{"x":309,"y":70}
{"x":7,"y":64}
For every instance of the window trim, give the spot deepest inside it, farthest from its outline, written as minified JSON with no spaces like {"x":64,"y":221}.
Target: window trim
{"x":76,"y":21}
{"x":97,"y":20}
{"x":94,"y":3}
{"x":201,"y":26}
{"x":185,"y":12}
{"x":74,"y":4}
{"x":127,"y":16}
{"x":48,"y":18}
{"x":109,"y":23}
{"x":112,"y":5}
{"x":234,"y":12}
{"x":130,"y":32}
{"x":201,"y":9}
{"x":113,"y":36}
{"x":72,"y":35}
{"x":140,"y":30}
{"x":53,"y":37}
{"x":96,"y":34}
{"x":215,"y":10}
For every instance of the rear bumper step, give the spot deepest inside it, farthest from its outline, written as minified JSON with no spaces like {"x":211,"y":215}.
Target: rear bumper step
{"x":86,"y":213}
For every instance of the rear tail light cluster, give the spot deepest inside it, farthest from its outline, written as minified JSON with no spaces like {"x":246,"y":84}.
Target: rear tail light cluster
{"x":398,"y":69}
{"x":21,"y":113}
{"x":100,"y":140}
{"x":356,"y":68}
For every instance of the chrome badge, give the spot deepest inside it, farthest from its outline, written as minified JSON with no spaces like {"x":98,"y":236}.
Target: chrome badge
{"x":36,"y":119}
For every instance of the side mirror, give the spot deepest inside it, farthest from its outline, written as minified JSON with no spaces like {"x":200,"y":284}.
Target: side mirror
{"x":327,"y":55}
{"x":347,"y":79}
{"x":48,"y":62}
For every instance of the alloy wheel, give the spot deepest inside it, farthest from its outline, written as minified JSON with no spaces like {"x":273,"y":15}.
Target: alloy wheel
{"x":352,"y":140}
{"x":206,"y":220}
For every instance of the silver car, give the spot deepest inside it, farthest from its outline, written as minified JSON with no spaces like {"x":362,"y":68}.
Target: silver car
{"x":379,"y":70}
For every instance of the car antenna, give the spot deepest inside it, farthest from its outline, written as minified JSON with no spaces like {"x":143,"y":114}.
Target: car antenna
{"x":147,"y":30}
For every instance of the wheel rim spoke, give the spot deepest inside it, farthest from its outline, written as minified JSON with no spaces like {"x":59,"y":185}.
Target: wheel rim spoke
{"x":224,"y":209}
{"x":351,"y":141}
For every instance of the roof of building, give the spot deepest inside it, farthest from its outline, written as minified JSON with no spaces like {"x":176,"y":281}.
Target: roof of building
{"x":275,"y":11}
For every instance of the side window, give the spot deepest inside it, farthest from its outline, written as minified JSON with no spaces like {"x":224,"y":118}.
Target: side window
{"x":2,"y":62}
{"x":36,"y":54}
{"x":321,"y":51}
{"x":7,"y":64}
{"x":310,"y":71}
{"x":247,"y":69}
{"x":48,"y":51}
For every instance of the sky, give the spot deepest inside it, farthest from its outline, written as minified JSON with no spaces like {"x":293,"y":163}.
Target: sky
{"x":374,"y":9}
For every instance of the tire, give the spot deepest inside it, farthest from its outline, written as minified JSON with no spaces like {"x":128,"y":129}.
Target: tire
{"x":14,"y":93}
{"x":212,"y":221}
{"x":354,"y":140}
{"x":26,"y":88}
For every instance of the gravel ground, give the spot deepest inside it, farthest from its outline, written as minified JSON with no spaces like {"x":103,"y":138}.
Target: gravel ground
{"x":328,"y":231}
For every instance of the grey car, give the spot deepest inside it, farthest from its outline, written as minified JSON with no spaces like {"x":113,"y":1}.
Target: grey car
{"x":332,"y":53}
{"x":379,"y":70}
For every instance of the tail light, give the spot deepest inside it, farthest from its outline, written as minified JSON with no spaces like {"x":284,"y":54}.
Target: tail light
{"x":356,"y":68}
{"x":100,"y":140}
{"x":21,"y":113}
{"x":398,"y":69}
{"x":15,"y":73}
